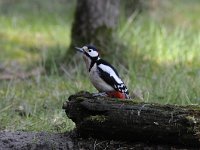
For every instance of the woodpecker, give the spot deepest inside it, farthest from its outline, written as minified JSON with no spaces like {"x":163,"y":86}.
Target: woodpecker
{"x":103,"y":75}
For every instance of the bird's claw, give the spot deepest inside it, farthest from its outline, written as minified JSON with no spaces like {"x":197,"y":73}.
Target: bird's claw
{"x":100,"y":94}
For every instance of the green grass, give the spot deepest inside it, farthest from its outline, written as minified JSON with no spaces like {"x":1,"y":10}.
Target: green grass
{"x":161,"y":60}
{"x":31,"y":28}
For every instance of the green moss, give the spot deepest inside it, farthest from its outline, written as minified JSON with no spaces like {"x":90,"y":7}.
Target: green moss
{"x":97,"y":118}
{"x":79,"y":99}
{"x":193,"y":107}
{"x":127,"y":101}
{"x":192,"y":119}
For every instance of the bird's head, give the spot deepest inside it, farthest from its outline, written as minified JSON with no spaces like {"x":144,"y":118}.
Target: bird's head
{"x":90,"y":53}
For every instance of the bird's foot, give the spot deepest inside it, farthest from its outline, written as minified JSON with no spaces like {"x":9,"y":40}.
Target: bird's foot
{"x":112,"y":94}
{"x":104,"y":94}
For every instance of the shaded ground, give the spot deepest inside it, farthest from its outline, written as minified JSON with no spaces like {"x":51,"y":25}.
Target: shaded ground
{"x":30,"y":140}
{"x":67,"y":141}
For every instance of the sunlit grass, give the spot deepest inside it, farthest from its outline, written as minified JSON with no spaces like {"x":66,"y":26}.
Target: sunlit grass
{"x":28,"y":29}
{"x":163,"y":46}
{"x":163,"y":58}
{"x":36,"y":104}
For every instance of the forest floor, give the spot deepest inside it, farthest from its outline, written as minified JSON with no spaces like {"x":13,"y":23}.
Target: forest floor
{"x":161,"y":63}
{"x":69,"y":141}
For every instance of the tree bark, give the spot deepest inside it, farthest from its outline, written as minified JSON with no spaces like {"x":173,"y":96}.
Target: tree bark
{"x":94,"y":23}
{"x":130,"y":120}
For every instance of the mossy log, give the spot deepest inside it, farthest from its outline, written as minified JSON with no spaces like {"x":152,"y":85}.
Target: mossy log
{"x":132,"y":120}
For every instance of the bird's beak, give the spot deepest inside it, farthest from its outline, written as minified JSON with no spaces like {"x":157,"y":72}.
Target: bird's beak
{"x":79,"y":49}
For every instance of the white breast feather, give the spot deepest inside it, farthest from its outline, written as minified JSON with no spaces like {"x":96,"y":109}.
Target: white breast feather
{"x":98,"y":83}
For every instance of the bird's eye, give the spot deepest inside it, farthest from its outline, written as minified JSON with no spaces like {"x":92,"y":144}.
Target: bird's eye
{"x":89,"y":50}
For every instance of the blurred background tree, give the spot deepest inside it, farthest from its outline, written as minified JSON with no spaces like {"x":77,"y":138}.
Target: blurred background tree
{"x":95,"y":21}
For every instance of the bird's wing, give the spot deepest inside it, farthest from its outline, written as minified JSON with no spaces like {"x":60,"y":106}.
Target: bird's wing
{"x":110,"y":76}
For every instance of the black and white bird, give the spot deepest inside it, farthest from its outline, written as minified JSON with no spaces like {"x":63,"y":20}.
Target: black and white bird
{"x":103,"y":76}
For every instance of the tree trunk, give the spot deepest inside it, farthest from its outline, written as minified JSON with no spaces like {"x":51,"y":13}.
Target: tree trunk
{"x":94,"y":23}
{"x":130,"y":120}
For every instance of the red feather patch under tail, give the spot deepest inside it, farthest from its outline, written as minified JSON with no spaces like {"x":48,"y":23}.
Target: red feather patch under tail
{"x":116,"y":94}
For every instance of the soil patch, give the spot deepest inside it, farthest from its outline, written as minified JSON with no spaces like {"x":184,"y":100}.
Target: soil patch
{"x":65,"y":141}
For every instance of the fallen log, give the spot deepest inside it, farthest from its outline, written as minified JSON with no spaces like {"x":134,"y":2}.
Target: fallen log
{"x":130,"y":120}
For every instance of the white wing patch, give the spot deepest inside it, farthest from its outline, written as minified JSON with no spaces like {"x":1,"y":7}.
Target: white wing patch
{"x":110,"y":71}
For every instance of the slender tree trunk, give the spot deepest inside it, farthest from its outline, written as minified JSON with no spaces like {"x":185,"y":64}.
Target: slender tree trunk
{"x":94,"y":23}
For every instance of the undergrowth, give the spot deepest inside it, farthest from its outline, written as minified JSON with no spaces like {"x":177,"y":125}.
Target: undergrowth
{"x":161,"y":60}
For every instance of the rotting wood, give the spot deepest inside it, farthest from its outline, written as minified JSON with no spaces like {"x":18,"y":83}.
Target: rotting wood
{"x":130,"y":120}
